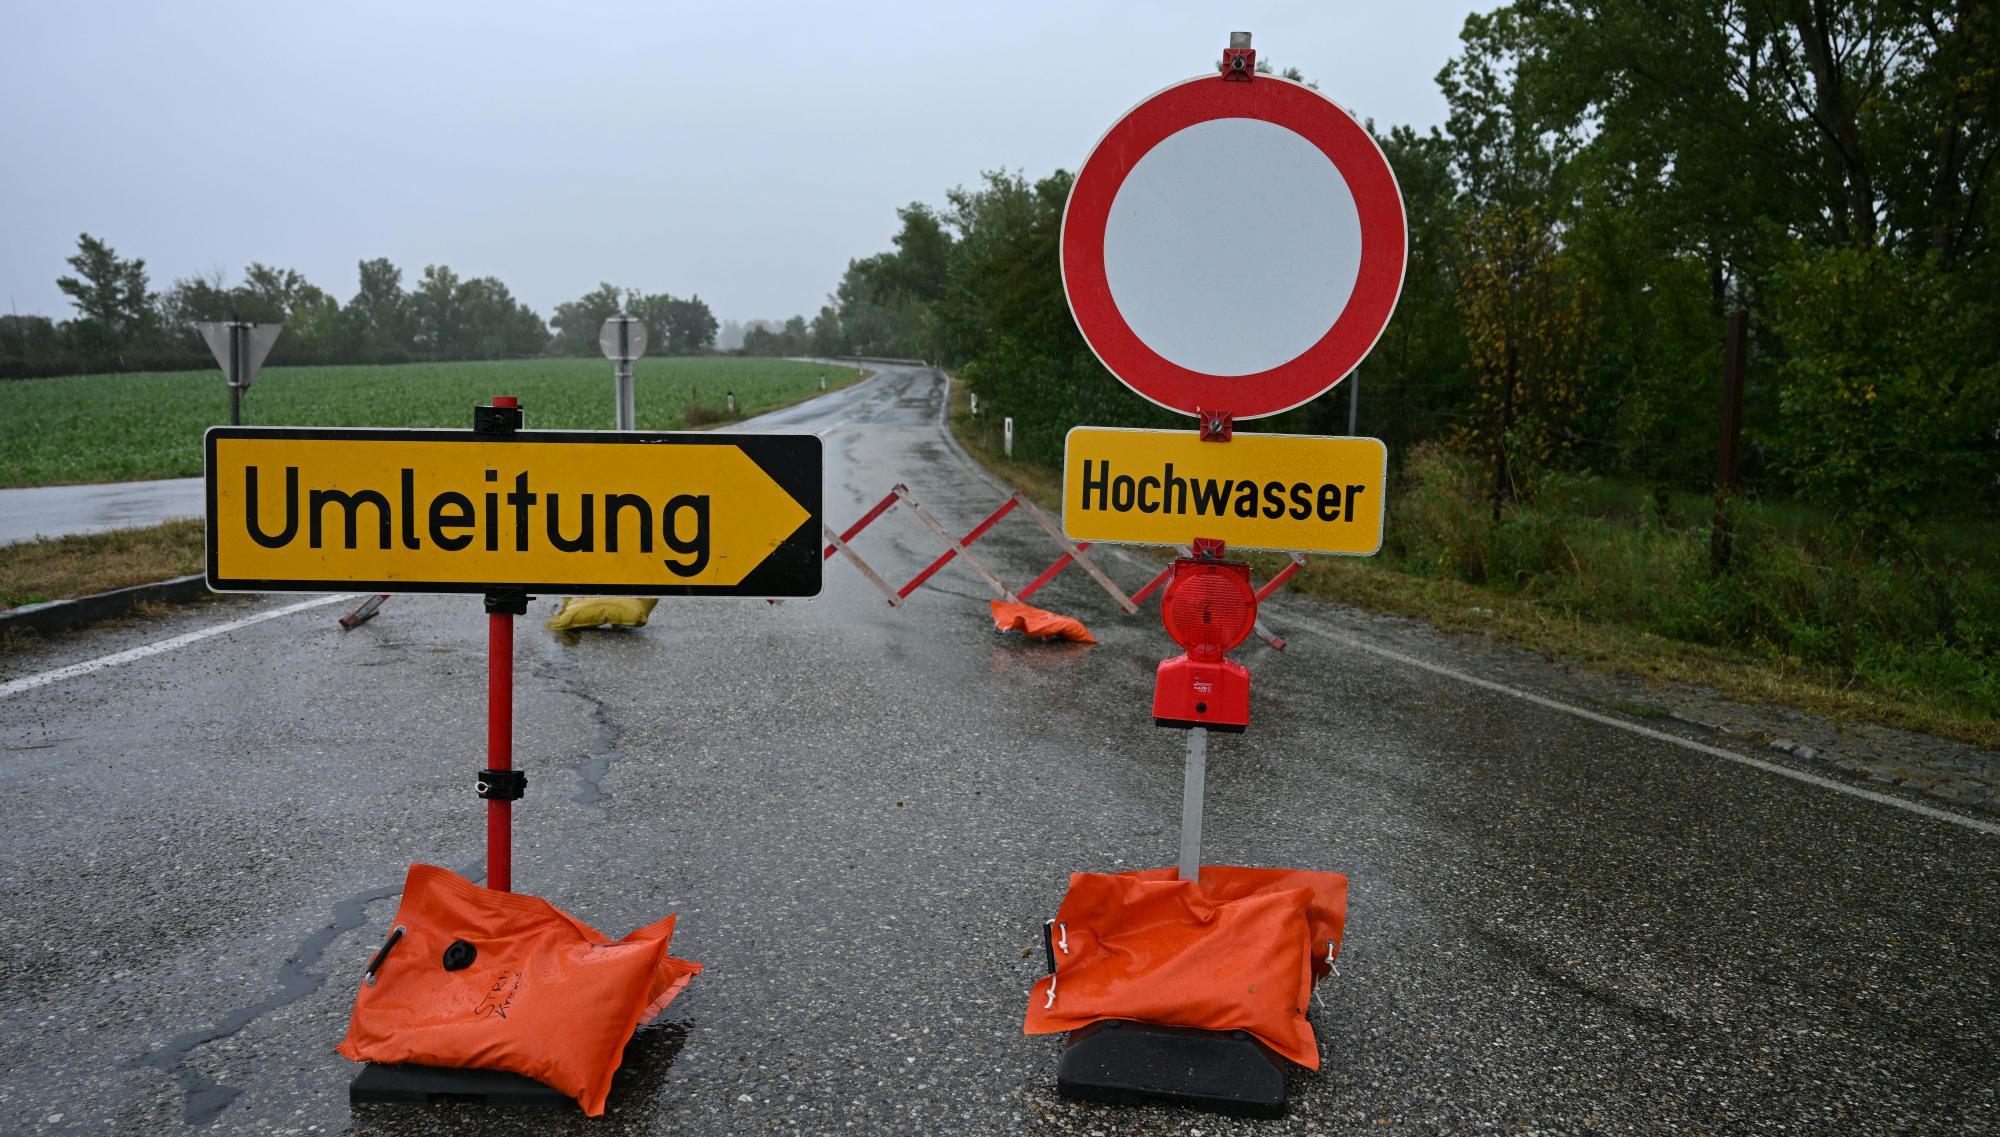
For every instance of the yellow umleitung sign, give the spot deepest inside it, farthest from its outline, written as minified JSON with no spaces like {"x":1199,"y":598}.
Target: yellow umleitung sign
{"x":1301,"y":493}
{"x":546,"y":511}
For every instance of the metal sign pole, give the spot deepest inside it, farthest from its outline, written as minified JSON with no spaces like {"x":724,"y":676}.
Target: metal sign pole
{"x":236,"y":333}
{"x":628,"y":408}
{"x":239,"y":348}
{"x":1193,"y":780}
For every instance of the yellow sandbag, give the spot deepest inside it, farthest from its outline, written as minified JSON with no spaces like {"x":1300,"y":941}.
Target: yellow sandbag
{"x":595,"y":611}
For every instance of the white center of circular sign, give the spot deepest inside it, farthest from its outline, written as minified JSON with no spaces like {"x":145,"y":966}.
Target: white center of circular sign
{"x":1232,"y":246}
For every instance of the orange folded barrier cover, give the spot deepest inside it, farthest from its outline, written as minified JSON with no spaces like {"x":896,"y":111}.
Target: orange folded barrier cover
{"x":1237,"y":951}
{"x":1036,"y":622}
{"x":502,"y":981}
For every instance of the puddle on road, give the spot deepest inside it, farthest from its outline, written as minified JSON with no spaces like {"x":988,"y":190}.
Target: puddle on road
{"x":203,"y":1098}
{"x":559,"y":666}
{"x":1014,"y":652}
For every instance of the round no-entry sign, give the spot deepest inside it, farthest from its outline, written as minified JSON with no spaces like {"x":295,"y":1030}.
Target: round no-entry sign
{"x":1233,"y":247}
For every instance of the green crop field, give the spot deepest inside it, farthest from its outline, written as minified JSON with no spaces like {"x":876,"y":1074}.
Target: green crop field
{"x":103,"y":428}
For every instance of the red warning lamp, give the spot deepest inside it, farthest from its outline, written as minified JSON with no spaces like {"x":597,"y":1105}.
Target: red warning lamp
{"x":1209,"y":607}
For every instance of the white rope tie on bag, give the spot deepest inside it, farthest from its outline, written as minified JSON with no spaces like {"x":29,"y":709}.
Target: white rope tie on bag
{"x":1052,"y":994}
{"x":1330,"y":966}
{"x":1063,"y":942}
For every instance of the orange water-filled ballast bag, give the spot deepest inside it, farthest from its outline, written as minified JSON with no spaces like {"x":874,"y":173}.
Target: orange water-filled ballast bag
{"x":471,"y":977}
{"x":1038,"y":623}
{"x":1238,"y":950}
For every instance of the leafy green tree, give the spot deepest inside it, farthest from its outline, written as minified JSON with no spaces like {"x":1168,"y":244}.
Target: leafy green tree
{"x":676,"y":326}
{"x":29,"y":345}
{"x":1416,"y":381}
{"x":1655,"y":358}
{"x":1891,"y":392}
{"x":793,"y":337}
{"x":1525,"y":311}
{"x":434,"y":318}
{"x":827,"y":336}
{"x":690,"y":326}
{"x":884,"y":303}
{"x":491,"y":324}
{"x":112,"y":296}
{"x":1503,"y":152}
{"x":1005,"y":322}
{"x":656,"y":311}
{"x":375,"y":326}
{"x":577,"y":322}
{"x":194,"y":299}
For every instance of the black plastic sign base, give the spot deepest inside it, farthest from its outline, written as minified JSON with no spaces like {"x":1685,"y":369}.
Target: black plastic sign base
{"x":1127,"y":1063}
{"x":427,"y":1085}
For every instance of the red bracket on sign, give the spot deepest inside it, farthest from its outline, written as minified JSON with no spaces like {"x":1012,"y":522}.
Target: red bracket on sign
{"x":1216,"y":426}
{"x":1210,"y":549}
{"x":1239,"y":64}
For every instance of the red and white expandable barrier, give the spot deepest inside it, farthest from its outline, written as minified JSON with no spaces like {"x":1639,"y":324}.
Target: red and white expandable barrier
{"x":1073,"y":552}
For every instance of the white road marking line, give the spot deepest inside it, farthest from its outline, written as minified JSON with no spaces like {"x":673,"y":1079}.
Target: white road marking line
{"x":1660,"y":735}
{"x":31,"y":682}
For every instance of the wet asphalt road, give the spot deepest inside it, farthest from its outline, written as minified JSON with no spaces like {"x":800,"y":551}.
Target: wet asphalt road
{"x":863,"y":814}
{"x":53,"y":511}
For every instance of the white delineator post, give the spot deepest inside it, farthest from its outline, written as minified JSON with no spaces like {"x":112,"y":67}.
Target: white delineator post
{"x":1007,"y":436}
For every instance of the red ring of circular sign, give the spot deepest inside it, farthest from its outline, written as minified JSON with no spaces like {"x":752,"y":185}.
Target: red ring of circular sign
{"x":1384,"y":246}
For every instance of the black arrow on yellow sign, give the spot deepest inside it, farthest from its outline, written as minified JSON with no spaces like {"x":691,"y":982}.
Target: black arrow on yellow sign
{"x":606,"y":513}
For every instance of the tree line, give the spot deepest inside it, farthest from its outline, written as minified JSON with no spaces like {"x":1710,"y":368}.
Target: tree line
{"x":121,"y":324}
{"x":1615,"y":178}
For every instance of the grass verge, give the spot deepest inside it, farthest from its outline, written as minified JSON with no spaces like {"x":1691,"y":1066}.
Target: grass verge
{"x":706,"y":416}
{"x":63,"y":568}
{"x":1525,"y":621}
{"x":104,"y":428}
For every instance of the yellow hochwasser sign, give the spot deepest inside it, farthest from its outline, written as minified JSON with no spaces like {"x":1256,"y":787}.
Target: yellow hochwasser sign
{"x":1257,"y":491}
{"x":454,"y":511}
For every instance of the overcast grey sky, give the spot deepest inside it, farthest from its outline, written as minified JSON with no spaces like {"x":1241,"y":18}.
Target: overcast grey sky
{"x":742,"y":151}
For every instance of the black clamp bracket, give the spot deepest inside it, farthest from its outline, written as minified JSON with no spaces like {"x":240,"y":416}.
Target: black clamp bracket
{"x":496,"y":420}
{"x":507,"y":602}
{"x":502,"y":785}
